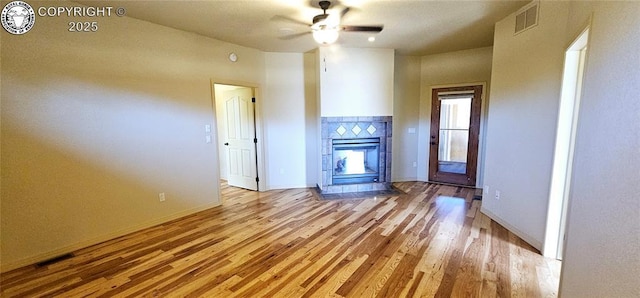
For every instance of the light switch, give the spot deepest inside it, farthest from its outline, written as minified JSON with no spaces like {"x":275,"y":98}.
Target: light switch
{"x":208,"y":138}
{"x":412,"y":130}
{"x":207,"y":128}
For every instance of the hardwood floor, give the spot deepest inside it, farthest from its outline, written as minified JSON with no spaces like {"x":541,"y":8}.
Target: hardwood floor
{"x":430,"y":242}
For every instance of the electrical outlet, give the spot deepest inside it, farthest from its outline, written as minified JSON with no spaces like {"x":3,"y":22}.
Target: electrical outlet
{"x":486,"y":190}
{"x":207,"y":128}
{"x":161,"y":197}
{"x":497,"y":195}
{"x":415,"y":164}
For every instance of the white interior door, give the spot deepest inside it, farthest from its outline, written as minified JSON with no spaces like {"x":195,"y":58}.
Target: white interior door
{"x":241,"y":149}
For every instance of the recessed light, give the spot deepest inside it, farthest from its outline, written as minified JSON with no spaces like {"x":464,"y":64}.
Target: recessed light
{"x":372,"y":39}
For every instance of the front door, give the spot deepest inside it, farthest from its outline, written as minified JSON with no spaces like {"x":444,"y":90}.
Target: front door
{"x":455,"y":128}
{"x":240,"y":144}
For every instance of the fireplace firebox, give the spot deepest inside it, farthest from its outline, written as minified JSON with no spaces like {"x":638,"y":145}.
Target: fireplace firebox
{"x":356,"y":160}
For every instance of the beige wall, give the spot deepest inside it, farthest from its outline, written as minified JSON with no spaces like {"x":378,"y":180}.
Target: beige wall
{"x":406,"y":99}
{"x":462,"y":67}
{"x":291,"y":113}
{"x":602,"y":251}
{"x":312,"y":119}
{"x":95,"y":125}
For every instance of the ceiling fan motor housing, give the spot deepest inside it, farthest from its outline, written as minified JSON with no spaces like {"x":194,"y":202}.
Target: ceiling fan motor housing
{"x":324,"y":5}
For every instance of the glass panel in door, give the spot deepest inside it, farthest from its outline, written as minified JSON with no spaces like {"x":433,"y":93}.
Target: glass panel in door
{"x":455,"y":115}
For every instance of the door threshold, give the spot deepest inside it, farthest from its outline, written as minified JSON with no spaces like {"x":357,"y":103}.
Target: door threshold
{"x":453,"y":184}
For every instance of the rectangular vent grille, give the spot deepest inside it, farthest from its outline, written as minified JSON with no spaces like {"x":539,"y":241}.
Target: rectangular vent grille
{"x":527,"y":18}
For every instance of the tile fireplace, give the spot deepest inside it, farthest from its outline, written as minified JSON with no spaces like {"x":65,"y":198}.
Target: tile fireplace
{"x":356,"y":154}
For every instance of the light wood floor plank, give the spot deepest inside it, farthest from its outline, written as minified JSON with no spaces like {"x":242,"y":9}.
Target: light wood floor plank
{"x":431,"y":241}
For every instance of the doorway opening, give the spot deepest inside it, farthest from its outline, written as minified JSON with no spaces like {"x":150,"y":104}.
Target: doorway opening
{"x":455,"y":129}
{"x":237,"y":132}
{"x":574,"y":64}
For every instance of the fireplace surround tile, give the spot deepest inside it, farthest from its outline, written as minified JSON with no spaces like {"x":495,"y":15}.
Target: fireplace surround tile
{"x":356,"y":128}
{"x":349,"y":188}
{"x":364,"y":187}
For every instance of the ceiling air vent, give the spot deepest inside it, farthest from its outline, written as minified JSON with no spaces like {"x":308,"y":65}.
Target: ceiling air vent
{"x":527,"y":17}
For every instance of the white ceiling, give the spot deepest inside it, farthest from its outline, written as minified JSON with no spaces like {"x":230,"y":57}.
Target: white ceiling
{"x":412,"y":27}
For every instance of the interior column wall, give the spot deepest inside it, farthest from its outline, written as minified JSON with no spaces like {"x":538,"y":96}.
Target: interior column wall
{"x":286,"y":119}
{"x":355,"y":82}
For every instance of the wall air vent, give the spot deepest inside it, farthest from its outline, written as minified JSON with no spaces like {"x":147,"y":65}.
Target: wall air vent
{"x":527,"y":17}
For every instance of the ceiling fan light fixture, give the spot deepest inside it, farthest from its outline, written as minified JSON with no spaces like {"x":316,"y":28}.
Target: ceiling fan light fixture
{"x":326,"y":27}
{"x":325,"y":35}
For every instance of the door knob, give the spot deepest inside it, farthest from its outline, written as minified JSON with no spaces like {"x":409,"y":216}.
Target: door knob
{"x":226,"y":144}
{"x":433,"y":143}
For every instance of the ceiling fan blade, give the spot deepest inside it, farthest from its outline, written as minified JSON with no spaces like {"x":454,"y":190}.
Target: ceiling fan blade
{"x":293,"y":36}
{"x":344,"y":12}
{"x":362,"y":28}
{"x":289,"y":20}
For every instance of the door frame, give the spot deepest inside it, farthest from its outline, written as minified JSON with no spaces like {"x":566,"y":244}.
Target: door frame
{"x":575,"y":62}
{"x":478,"y":160}
{"x":262,"y":185}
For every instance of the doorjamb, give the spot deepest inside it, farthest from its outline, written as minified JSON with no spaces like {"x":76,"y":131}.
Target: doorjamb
{"x":481,"y":133}
{"x":257,"y":89}
{"x":575,"y":61}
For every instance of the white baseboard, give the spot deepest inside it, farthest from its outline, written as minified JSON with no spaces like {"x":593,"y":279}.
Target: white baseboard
{"x":280,"y":187}
{"x":4,"y":267}
{"x":528,"y":239}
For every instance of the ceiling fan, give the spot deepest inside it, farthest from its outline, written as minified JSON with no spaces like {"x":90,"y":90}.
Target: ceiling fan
{"x":326,"y":27}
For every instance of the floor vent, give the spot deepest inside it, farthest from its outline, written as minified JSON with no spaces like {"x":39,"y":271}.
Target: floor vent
{"x":55,"y":260}
{"x":527,"y":17}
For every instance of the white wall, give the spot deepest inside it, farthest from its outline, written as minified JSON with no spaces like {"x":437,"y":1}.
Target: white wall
{"x":95,"y":125}
{"x":356,"y":81}
{"x":462,"y":67}
{"x":406,"y":100}
{"x":602,"y":251}
{"x":286,"y":112}
{"x":525,"y":92}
